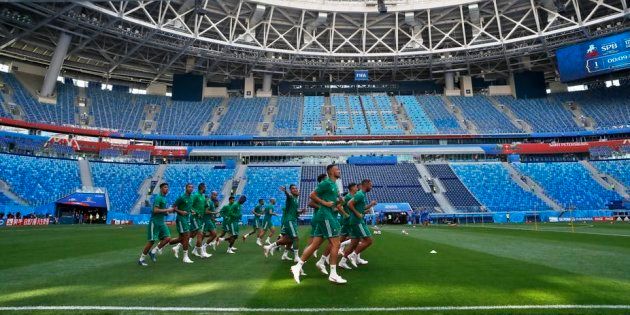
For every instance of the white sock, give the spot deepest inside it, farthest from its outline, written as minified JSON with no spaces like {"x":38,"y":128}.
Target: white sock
{"x":185,"y":253}
{"x":267,"y":240}
{"x":322,"y":259}
{"x":295,"y":252}
{"x":358,"y":256}
{"x":273,"y":245}
{"x":198,"y":248}
{"x":222,"y":239}
{"x":142,"y":256}
{"x":300,"y":263}
{"x":333,"y":270}
{"x":154,"y":250}
{"x":346,"y":242}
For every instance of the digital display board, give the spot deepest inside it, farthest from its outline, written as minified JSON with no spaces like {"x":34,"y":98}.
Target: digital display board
{"x":361,"y":75}
{"x":595,"y":57}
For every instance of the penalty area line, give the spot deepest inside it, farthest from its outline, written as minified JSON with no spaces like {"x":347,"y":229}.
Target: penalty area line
{"x":310,"y":310}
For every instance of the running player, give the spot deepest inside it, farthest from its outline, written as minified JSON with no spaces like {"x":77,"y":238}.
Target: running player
{"x":360,"y":233}
{"x":196,"y":220}
{"x":289,"y":228}
{"x":257,"y":223}
{"x":183,"y":207}
{"x":225,"y":224}
{"x":326,"y":226}
{"x":209,"y":227}
{"x":312,"y":204}
{"x":235,"y":214}
{"x":344,"y":233}
{"x":157,"y":229}
{"x":267,"y":225}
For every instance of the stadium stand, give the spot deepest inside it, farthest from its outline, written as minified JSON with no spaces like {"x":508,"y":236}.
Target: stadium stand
{"x":608,"y":107}
{"x":349,"y":115}
{"x":113,"y":109}
{"x":390,"y":123}
{"x":188,"y":118}
{"x":287,"y":121}
{"x":444,"y":122}
{"x":242,"y":117}
{"x":422,"y":124}
{"x":486,"y":117}
{"x":178,"y":175}
{"x":308,"y":182}
{"x":457,"y":194}
{"x":6,"y":201}
{"x":312,"y":115}
{"x":493,"y":187}
{"x":122,"y":182}
{"x":543,"y":114}
{"x":24,"y":176}
{"x":619,"y":169}
{"x":391,"y":183}
{"x":569,"y":183}
{"x":264,"y":182}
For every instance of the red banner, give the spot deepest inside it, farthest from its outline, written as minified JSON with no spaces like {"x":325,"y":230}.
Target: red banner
{"x":18,"y":222}
{"x":555,"y":148}
{"x":603,"y":219}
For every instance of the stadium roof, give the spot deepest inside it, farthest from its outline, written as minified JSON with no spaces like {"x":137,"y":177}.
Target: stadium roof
{"x":147,"y":41}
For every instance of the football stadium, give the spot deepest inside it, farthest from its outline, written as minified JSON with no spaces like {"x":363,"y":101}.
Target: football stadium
{"x":315,"y":156}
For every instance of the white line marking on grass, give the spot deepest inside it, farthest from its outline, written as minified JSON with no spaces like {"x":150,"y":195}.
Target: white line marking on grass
{"x":545,"y":229}
{"x":311,"y":310}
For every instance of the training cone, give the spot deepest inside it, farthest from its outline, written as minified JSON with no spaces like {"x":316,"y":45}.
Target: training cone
{"x":433,"y":252}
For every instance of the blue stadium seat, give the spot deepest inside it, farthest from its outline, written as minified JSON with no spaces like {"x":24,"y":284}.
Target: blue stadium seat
{"x":178,"y":175}
{"x":122,"y":182}
{"x":619,"y":169}
{"x":263,"y":183}
{"x":486,"y":117}
{"x":421,"y":122}
{"x":444,"y":122}
{"x":287,"y":121}
{"x":457,"y":194}
{"x":243,"y":116}
{"x":543,"y":114}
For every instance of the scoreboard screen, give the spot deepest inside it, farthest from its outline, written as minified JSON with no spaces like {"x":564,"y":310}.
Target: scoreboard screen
{"x":595,"y":57}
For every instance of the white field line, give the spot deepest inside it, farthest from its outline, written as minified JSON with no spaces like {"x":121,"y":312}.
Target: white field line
{"x":311,"y":310}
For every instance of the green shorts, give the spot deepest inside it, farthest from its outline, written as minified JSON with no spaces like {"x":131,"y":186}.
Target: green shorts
{"x":209,"y":226}
{"x":360,"y":230}
{"x":290,"y":229}
{"x":226,"y":226}
{"x":313,"y":225}
{"x":327,"y":227}
{"x":266,"y":224}
{"x":345,"y":230}
{"x":196,"y":224}
{"x":257,"y":223}
{"x":234,"y":228}
{"x":183,"y":224}
{"x":157,"y":231}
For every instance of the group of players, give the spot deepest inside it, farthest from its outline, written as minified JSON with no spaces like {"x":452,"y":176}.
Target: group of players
{"x":336,"y":218}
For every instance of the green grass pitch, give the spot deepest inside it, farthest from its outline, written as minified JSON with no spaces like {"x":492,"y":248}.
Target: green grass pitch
{"x":490,"y":265}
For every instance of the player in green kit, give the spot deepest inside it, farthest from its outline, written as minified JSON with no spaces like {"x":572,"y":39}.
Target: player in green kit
{"x":344,"y":222}
{"x":209,"y":227}
{"x":326,"y":225}
{"x":183,"y":207}
{"x":235,"y":213}
{"x":289,"y":231}
{"x":157,"y":229}
{"x":225,"y":224}
{"x":257,"y":223}
{"x":196,"y":220}
{"x":267,"y":225}
{"x":314,"y":205}
{"x":359,"y":231}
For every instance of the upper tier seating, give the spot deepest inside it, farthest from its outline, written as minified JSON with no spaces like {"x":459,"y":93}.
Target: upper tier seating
{"x":376,"y":117}
{"x":243,"y":116}
{"x":122,"y":182}
{"x":569,"y":183}
{"x":390,"y":123}
{"x":543,"y":114}
{"x":178,"y":175}
{"x":287,"y":121}
{"x":24,"y":176}
{"x":456,"y":192}
{"x":312,"y":116}
{"x":349,"y":115}
{"x":619,"y":169}
{"x":493,"y":187}
{"x":421,"y":122}
{"x":486,"y":117}
{"x":56,"y":114}
{"x":264,"y":183}
{"x":308,"y":182}
{"x":185,"y":118}
{"x":609,"y":107}
{"x":444,"y":121}
{"x":114,"y":109}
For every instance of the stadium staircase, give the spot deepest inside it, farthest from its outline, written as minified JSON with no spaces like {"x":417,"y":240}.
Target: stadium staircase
{"x":239,"y":176}
{"x":457,"y":112}
{"x":606,"y":180}
{"x":530,"y":185}
{"x":580,"y":118}
{"x":519,"y":123}
{"x":217,"y":113}
{"x":401,"y":116}
{"x":86,"y":173}
{"x":9,"y":101}
{"x":143,"y":194}
{"x":367,"y":123}
{"x":269,"y":113}
{"x":6,"y":190}
{"x":445,"y":205}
